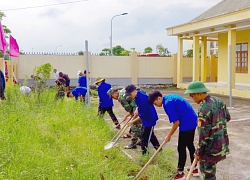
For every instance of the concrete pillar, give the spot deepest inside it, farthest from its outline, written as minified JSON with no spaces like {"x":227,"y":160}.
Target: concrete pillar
{"x":10,"y":71}
{"x":15,"y":66}
{"x":232,"y":42}
{"x":196,"y":58}
{"x":180,"y":61}
{"x":175,"y":69}
{"x":90,"y":66}
{"x":213,"y":68}
{"x":83,"y":65}
{"x":134,"y":68}
{"x":203,"y":59}
{"x":2,"y":65}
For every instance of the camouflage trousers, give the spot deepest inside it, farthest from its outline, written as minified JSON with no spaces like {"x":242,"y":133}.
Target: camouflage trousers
{"x":208,"y":170}
{"x":136,"y":131}
{"x":60,"y":95}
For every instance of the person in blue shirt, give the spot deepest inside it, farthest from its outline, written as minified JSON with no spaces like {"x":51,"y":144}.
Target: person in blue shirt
{"x":78,"y":92}
{"x":182,"y":115}
{"x":147,"y":114}
{"x":82,"y":80}
{"x":105,"y":101}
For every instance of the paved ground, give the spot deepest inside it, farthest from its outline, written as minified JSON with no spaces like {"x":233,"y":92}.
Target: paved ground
{"x":237,"y":164}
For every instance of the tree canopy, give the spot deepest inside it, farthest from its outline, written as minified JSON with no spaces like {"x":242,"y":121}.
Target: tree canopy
{"x":105,"y":51}
{"x":5,"y":29}
{"x":117,"y":50}
{"x":6,"y":32}
{"x":120,"y":51}
{"x":148,"y":50}
{"x":162,"y":51}
{"x":80,"y":53}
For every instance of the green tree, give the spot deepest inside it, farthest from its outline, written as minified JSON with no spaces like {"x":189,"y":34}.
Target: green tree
{"x":106,"y":51}
{"x":125,"y":52}
{"x":44,"y":71}
{"x":5,"y":29}
{"x":189,"y":53}
{"x":41,"y":75}
{"x":148,"y":50}
{"x":80,"y":53}
{"x":102,"y":54}
{"x":2,"y":15}
{"x":6,"y":57}
{"x":117,"y":50}
{"x":133,"y":50}
{"x":162,"y":51}
{"x":6,"y":32}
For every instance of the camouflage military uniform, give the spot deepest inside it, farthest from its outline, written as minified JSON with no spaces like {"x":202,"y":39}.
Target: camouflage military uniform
{"x":129,"y":105}
{"x":213,"y":143}
{"x":60,"y":84}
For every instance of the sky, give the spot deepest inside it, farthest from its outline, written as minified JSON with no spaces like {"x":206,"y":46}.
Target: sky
{"x":65,"y":28}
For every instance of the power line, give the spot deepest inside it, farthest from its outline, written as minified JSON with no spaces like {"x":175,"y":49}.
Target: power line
{"x":46,"y":5}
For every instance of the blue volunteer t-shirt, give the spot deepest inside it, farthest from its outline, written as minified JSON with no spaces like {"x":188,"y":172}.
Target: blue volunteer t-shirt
{"x":82,"y":80}
{"x":146,"y":111}
{"x":104,"y":99}
{"x":177,"y":108}
{"x":79,"y":91}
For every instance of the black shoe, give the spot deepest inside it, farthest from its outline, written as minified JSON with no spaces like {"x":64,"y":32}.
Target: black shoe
{"x":157,"y":147}
{"x":131,"y":146}
{"x":145,"y":152}
{"x":118,"y":127}
{"x":139,"y":143}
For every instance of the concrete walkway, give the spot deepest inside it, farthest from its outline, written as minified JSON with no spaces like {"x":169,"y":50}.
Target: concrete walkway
{"x":237,"y":164}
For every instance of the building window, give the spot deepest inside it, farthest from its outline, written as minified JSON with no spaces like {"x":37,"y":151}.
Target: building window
{"x":212,"y":44}
{"x":242,"y":58}
{"x":211,"y":52}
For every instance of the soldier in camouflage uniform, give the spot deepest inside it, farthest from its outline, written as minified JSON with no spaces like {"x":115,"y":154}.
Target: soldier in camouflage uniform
{"x":60,"y":84}
{"x":129,"y":105}
{"x":213,"y":116}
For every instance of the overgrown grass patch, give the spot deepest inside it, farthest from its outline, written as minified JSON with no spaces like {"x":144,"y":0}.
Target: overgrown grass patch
{"x":49,"y":139}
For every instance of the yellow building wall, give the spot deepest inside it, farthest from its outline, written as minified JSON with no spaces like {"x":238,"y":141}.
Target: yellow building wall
{"x":102,"y":66}
{"x":66,"y":64}
{"x":241,"y":37}
{"x":111,"y":66}
{"x":155,"y":67}
{"x":187,"y":67}
{"x":114,"y":67}
{"x":222,"y":57}
{"x":2,"y":65}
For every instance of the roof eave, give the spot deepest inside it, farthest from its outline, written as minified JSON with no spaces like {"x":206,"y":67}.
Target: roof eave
{"x":224,"y":19}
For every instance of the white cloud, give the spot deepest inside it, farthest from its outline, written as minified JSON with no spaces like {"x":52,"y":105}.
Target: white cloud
{"x":44,"y":29}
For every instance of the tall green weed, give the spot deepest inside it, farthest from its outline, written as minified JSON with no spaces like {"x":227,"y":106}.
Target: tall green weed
{"x":58,"y":139}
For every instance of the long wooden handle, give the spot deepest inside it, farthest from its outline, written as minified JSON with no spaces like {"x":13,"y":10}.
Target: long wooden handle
{"x":125,"y":127}
{"x":119,"y":132}
{"x":121,"y":122}
{"x":149,"y":161}
{"x":191,"y":169}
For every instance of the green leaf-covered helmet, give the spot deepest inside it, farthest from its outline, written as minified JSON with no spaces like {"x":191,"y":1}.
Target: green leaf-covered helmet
{"x":196,"y":87}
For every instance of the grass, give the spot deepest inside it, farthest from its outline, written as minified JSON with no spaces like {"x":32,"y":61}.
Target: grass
{"x":51,"y":139}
